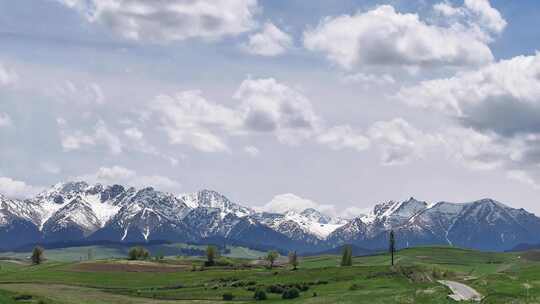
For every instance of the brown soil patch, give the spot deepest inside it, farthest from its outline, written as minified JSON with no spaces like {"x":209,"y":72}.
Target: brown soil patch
{"x":533,"y":255}
{"x":128,"y":267}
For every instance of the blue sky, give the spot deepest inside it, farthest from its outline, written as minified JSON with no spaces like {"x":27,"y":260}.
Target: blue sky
{"x":341,"y":103}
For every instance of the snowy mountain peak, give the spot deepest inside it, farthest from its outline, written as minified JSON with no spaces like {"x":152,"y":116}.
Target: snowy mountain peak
{"x":79,"y":211}
{"x":212,"y":199}
{"x":316,"y":216}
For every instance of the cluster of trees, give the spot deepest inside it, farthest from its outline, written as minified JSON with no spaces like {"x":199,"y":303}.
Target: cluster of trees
{"x":212,"y":253}
{"x":138,"y":253}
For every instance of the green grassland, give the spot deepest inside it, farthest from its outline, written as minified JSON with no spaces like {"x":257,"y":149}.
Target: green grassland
{"x":499,"y":277}
{"x":73,"y":254}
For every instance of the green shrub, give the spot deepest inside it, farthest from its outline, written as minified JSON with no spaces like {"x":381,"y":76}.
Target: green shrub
{"x":23,"y":297}
{"x":138,"y":253}
{"x":228,"y":296}
{"x":354,"y":287}
{"x":260,"y":295}
{"x":291,"y":293}
{"x":275,"y":289}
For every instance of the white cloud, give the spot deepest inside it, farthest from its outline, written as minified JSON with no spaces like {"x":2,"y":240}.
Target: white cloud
{"x":400,"y":142}
{"x":169,"y":20}
{"x":488,"y":17}
{"x":341,"y":137}
{"x":266,"y":106}
{"x":290,"y":202}
{"x":383,"y":36}
{"x":476,"y":150}
{"x":512,"y":84}
{"x":270,"y":106}
{"x":5,"y":120}
{"x":73,"y":93}
{"x":133,"y":133}
{"x":75,"y":140}
{"x":271,"y":41}
{"x":477,"y":14}
{"x":7,"y":76}
{"x":104,"y":135}
{"x":17,"y":189}
{"x":121,"y":175}
{"x":252,"y":151}
{"x":369,"y":80}
{"x":523,"y":177}
{"x":188,"y":118}
{"x":50,"y":167}
{"x":497,"y":111}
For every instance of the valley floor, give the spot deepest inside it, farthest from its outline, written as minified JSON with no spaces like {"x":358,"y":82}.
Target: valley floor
{"x":498,"y":277}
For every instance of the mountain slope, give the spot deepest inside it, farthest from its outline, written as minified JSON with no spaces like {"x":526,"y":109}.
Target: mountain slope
{"x":78,"y":211}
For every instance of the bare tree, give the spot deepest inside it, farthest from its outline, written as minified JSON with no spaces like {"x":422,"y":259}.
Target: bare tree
{"x":293,"y":259}
{"x":271,"y":257}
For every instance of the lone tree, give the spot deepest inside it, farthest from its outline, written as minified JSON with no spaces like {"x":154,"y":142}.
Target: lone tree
{"x":346,"y":258}
{"x":271,"y":257}
{"x":90,"y":254}
{"x":392,"y":247}
{"x":211,"y":255}
{"x":38,"y":255}
{"x":293,"y":259}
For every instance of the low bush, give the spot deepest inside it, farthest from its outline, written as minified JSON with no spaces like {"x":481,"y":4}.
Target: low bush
{"x":260,"y":295}
{"x":275,"y":289}
{"x":228,"y":296}
{"x":23,"y":297}
{"x":291,"y":293}
{"x":354,"y":287}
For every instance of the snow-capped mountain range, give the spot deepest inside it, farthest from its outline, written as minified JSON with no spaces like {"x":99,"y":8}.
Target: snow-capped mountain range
{"x":76,"y":211}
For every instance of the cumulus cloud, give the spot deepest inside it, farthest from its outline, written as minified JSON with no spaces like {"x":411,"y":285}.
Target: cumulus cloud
{"x":270,"y":106}
{"x":265,"y":106}
{"x":497,"y":106}
{"x":50,"y":167}
{"x":84,"y":94}
{"x":169,"y":20}
{"x":75,"y":139}
{"x":133,"y":133}
{"x":399,"y":141}
{"x":383,"y":36}
{"x":188,"y":118}
{"x":488,"y":16}
{"x":503,"y":97}
{"x":252,"y":151}
{"x":341,"y":137}
{"x":369,"y":80}
{"x":5,"y":120}
{"x":17,"y":189}
{"x":271,"y":41}
{"x":7,"y":76}
{"x":122,"y":175}
{"x":477,"y":14}
{"x":291,"y":202}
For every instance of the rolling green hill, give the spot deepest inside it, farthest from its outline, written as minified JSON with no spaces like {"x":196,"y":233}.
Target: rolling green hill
{"x":499,"y":277}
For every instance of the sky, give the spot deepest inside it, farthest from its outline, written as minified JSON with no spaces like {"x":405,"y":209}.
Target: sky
{"x":337,"y":105}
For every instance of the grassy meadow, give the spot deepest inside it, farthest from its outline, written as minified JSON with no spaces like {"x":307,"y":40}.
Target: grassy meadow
{"x":499,"y":277}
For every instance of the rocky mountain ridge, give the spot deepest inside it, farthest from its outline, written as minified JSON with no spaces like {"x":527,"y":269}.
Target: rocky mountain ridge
{"x":78,"y":211}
